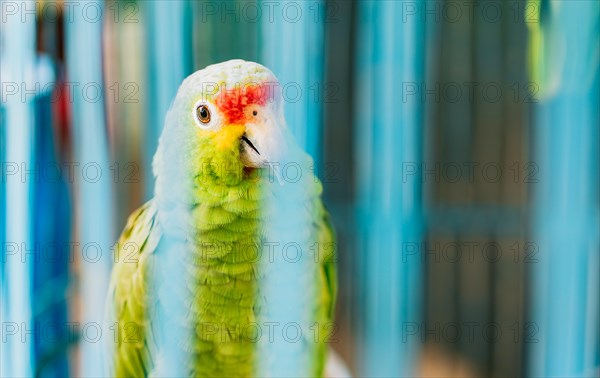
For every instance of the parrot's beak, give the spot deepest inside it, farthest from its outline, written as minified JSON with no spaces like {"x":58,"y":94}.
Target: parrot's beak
{"x":249,"y":153}
{"x":249,"y":143}
{"x":262,"y":142}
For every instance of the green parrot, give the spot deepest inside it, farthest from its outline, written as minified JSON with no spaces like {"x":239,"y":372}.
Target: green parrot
{"x":218,"y":182}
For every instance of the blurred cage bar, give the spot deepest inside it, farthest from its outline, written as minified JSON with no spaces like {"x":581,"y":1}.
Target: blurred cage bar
{"x":20,"y":58}
{"x":565,"y":285}
{"x":441,"y":243}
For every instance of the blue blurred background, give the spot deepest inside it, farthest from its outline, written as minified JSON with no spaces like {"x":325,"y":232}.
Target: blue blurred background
{"x":458,"y":144}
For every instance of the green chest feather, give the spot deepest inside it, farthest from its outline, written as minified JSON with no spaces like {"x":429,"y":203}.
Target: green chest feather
{"x":226,"y":307}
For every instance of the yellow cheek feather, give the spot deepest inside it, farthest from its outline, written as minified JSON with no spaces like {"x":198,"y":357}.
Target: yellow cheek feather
{"x":228,"y":137}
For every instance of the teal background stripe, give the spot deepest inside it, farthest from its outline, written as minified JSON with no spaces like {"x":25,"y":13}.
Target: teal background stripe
{"x":18,"y":61}
{"x":565,"y":291}
{"x":389,"y":133}
{"x":93,"y":205}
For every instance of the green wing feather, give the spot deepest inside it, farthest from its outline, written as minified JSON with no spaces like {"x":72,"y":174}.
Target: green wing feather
{"x":127,"y":301}
{"x":328,"y":289}
{"x":328,"y":239}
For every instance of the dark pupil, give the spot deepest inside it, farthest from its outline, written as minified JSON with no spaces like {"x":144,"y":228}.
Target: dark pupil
{"x":203,"y":114}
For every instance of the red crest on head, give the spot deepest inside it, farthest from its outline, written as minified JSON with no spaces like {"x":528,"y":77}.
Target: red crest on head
{"x":233,"y":102}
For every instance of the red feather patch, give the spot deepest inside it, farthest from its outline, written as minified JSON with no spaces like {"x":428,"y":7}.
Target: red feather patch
{"x":233,"y":102}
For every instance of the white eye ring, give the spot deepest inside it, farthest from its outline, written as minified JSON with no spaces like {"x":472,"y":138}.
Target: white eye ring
{"x":205,"y":115}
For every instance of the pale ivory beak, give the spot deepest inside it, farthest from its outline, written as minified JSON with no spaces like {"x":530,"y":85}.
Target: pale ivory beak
{"x":264,"y":143}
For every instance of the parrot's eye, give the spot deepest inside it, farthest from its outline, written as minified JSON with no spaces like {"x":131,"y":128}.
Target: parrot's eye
{"x":255,"y":113}
{"x":203,"y":114}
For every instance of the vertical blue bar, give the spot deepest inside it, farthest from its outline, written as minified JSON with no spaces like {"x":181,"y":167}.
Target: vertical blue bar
{"x":168,"y":26}
{"x":18,"y":56}
{"x":4,"y":356}
{"x":564,"y":332}
{"x":389,"y":136}
{"x":292,"y":47}
{"x":94,"y":199}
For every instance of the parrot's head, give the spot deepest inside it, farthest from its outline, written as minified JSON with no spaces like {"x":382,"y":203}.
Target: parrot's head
{"x":225,"y":123}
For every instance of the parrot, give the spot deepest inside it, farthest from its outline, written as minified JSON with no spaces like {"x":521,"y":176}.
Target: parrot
{"x":215,"y":198}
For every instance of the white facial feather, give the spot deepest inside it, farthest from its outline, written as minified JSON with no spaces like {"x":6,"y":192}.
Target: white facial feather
{"x":268,"y":133}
